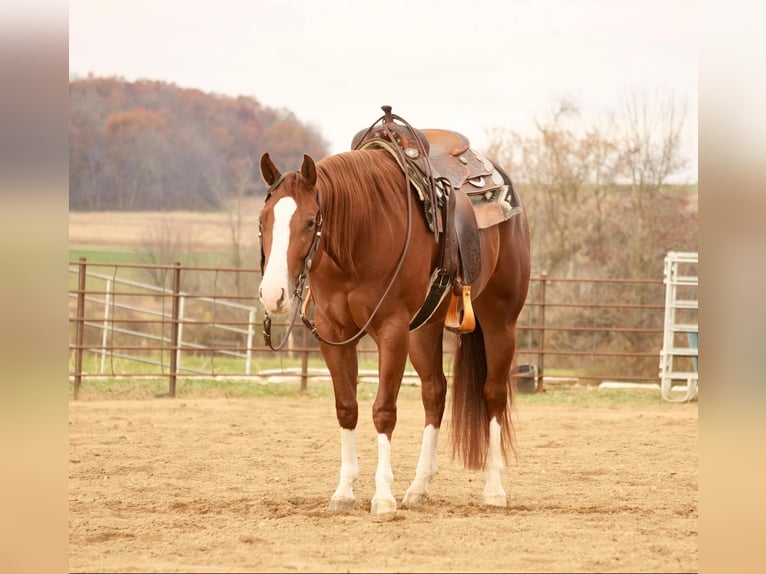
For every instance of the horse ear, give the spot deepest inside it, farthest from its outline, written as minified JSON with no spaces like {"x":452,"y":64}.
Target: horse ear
{"x":309,"y":171}
{"x":269,"y":171}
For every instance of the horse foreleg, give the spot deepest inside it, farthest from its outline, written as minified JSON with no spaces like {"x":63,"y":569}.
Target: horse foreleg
{"x":383,"y":502}
{"x":392,"y":357}
{"x":343,"y":366}
{"x":343,"y":498}
{"x":426,"y":357}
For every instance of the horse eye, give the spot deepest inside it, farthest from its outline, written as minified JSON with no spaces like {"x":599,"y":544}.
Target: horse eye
{"x":310,"y":224}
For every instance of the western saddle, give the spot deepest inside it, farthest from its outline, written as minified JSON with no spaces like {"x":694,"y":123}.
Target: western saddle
{"x":461,"y":192}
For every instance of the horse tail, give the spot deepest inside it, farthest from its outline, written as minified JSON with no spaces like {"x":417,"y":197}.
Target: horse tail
{"x":470,"y":425}
{"x":470,"y":421}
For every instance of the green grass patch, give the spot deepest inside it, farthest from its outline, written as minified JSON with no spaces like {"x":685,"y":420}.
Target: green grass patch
{"x":581,"y":396}
{"x":106,"y":255}
{"x":584,"y":395}
{"x":143,"y":389}
{"x":220,"y":365}
{"x":133,"y":256}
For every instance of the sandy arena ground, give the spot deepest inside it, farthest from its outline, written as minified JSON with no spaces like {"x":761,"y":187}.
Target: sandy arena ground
{"x":232,"y":485}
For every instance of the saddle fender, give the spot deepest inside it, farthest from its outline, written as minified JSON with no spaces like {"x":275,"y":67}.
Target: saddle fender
{"x":467,"y":232}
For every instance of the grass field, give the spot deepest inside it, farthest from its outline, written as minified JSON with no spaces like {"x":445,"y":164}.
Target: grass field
{"x":191,"y":388}
{"x":106,"y":255}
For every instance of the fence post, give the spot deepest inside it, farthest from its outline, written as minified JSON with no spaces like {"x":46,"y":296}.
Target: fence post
{"x":105,"y":328}
{"x":80,"y":327}
{"x":250,"y":333}
{"x":180,"y":329}
{"x":541,"y":346}
{"x":175,"y":325}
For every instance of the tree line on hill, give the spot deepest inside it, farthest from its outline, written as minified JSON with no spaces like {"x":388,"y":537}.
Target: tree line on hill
{"x":151,"y":145}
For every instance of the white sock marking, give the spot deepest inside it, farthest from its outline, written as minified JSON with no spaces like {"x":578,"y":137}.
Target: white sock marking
{"x":384,"y":475}
{"x":275,"y":285}
{"x":427,"y":460}
{"x":384,"y":501}
{"x":426,"y":467}
{"x":494,"y":467}
{"x":349,"y":465}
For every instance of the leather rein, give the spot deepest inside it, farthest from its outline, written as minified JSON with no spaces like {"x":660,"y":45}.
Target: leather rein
{"x":301,"y":306}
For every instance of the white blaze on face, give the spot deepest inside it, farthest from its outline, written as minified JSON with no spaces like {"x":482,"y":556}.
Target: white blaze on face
{"x":275,"y":291}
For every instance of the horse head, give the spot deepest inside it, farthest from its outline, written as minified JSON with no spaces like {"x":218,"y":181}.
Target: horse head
{"x":290,"y":224}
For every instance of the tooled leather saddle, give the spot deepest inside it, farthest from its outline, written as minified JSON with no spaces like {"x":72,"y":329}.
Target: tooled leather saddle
{"x":461,"y":192}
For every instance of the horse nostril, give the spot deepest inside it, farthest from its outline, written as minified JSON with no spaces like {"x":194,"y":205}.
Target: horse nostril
{"x":281,"y":300}
{"x":260,"y":293}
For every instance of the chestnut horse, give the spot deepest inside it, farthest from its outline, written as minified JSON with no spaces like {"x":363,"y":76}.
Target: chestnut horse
{"x":368,"y":271}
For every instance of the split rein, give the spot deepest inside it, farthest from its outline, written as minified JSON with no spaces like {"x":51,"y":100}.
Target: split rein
{"x":300,"y":306}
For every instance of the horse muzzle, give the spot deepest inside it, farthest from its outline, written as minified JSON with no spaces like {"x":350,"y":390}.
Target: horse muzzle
{"x":274,"y":299}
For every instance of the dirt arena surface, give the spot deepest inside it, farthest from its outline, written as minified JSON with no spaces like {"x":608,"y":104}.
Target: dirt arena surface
{"x":237,"y":485}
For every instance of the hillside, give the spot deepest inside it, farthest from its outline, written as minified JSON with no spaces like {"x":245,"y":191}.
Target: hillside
{"x":151,"y":145}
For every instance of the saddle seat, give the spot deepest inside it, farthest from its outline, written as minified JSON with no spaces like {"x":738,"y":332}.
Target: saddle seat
{"x":447,"y":142}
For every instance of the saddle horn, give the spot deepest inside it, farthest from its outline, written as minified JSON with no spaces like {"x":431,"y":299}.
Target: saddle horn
{"x":387,"y":117}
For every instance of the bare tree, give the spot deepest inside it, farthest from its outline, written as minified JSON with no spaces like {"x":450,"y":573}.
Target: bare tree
{"x":164,"y":244}
{"x":648,"y":132}
{"x":566,"y":168}
{"x":241,"y":181}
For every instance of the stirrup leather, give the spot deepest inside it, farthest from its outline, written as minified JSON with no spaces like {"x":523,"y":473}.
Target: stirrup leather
{"x":456,"y":321}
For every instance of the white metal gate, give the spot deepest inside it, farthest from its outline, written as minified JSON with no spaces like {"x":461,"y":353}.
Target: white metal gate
{"x":679,"y":355}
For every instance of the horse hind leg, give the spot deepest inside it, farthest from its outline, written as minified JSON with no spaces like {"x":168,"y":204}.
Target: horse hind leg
{"x":417,"y":492}
{"x":481,"y":432}
{"x":426,"y":357}
{"x":500,"y":347}
{"x":494,"y":494}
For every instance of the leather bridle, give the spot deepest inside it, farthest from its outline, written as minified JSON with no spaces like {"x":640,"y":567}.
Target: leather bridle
{"x":300,"y":283}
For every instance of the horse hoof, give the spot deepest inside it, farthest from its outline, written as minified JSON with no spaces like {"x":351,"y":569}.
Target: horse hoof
{"x":495,"y":500}
{"x":382,"y":507}
{"x":341,"y":504}
{"x":414,"y":498}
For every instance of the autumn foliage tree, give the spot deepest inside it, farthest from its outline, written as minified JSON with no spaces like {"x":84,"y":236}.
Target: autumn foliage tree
{"x":151,"y":145}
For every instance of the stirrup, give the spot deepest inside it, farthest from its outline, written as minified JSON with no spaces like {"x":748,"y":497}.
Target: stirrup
{"x":456,"y":321}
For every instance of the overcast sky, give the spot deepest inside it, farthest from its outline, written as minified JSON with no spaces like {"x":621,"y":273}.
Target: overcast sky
{"x":469,"y":65}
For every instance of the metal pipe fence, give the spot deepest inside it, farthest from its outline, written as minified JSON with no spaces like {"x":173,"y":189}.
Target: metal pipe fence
{"x":200,"y":322}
